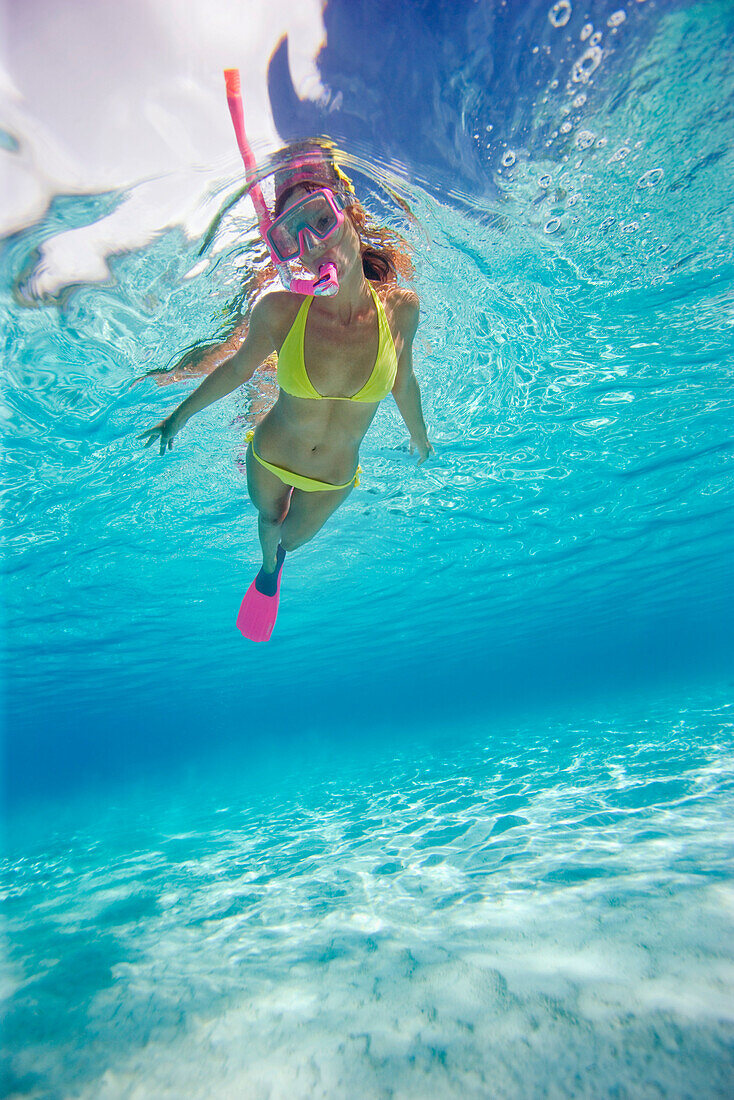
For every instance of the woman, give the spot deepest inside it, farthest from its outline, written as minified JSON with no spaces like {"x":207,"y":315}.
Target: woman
{"x":337,"y":358}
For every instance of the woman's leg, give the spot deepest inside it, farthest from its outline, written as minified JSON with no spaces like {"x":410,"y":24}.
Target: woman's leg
{"x":307,"y":514}
{"x":272,"y":500}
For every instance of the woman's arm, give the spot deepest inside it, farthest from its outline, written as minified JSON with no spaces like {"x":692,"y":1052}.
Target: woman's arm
{"x":228,"y":376}
{"x":405,"y":391}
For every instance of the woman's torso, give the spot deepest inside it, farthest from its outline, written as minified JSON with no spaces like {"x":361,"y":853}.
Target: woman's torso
{"x":321,"y":437}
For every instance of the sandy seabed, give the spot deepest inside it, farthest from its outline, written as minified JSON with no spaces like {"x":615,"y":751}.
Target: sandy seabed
{"x":551,"y":917}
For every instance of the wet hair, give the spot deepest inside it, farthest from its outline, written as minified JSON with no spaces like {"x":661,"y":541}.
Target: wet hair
{"x":383,"y":258}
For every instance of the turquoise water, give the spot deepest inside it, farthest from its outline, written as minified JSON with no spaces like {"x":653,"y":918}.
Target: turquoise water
{"x":534,"y":910}
{"x":463,"y":828}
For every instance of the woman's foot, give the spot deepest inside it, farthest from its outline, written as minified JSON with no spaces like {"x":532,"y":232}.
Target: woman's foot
{"x":267,"y":581}
{"x":259,"y":608}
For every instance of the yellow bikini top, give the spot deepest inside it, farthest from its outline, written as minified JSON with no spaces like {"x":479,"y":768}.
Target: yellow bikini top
{"x":292,"y":376}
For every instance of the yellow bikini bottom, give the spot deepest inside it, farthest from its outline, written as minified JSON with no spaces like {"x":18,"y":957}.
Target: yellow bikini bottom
{"x":299,"y":481}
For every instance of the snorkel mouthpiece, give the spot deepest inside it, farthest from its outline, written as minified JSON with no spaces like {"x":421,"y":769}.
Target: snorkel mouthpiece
{"x":328,"y":280}
{"x":325,"y":286}
{"x":327,"y":283}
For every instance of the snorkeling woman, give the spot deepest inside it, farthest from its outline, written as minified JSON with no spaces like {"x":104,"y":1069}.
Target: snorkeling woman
{"x":338,"y":357}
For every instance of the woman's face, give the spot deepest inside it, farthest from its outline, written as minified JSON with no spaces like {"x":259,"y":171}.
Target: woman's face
{"x":341,"y":248}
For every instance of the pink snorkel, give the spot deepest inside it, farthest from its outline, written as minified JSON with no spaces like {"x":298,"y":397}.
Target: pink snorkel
{"x":327,"y":282}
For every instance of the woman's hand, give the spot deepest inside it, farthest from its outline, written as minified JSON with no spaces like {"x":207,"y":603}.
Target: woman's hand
{"x":423,"y":447}
{"x":165,"y":432}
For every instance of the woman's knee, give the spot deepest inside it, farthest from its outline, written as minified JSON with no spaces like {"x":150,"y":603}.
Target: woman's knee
{"x":291,"y":540}
{"x":307,"y":516}
{"x":295,"y":532}
{"x":273,"y":515}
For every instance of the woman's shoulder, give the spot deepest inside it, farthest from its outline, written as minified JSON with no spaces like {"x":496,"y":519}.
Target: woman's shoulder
{"x":278,"y":303}
{"x":276,"y":310}
{"x":403,"y":306}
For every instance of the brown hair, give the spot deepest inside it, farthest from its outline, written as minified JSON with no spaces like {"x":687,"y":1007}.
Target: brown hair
{"x":384,"y":252}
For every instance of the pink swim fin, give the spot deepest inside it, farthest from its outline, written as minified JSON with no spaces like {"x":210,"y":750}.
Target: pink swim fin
{"x":259,"y":611}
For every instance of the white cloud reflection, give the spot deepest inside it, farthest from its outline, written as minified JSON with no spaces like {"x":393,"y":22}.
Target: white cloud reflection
{"x":113,"y":97}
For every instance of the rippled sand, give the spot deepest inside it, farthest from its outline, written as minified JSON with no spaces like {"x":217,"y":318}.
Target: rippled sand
{"x":523,"y":914}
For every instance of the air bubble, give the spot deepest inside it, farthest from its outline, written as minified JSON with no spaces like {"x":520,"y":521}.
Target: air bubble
{"x":560,"y":13}
{"x":595,"y":38}
{"x":587,"y":64}
{"x":616,"y":19}
{"x":545,"y":181}
{"x":586,"y":30}
{"x":649,"y":179}
{"x":585,"y":139}
{"x":552,"y":225}
{"x":566,"y":127}
{"x":508,"y":159}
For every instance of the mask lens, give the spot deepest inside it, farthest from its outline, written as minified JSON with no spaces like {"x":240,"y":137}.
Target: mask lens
{"x":314,"y":213}
{"x":286,"y":246}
